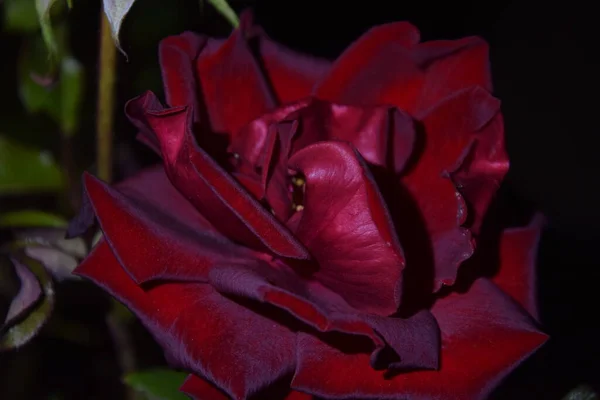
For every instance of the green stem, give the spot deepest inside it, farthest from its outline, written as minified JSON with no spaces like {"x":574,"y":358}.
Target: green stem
{"x":106,"y":100}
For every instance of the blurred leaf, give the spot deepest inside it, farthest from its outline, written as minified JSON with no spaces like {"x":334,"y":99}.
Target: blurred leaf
{"x":31,"y":218}
{"x":225,"y":9}
{"x":582,"y":392}
{"x":115,"y":11}
{"x":25,"y":329}
{"x":43,"y":10}
{"x":29,"y":292}
{"x":20,"y":16}
{"x":159,"y":384}
{"x":27,"y":170}
{"x":71,"y":95}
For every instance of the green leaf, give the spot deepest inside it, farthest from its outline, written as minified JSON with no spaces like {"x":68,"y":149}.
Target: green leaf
{"x":582,"y":392}
{"x":158,"y":384}
{"x":71,"y":95}
{"x":20,"y":16}
{"x":43,"y":8}
{"x":225,"y":9}
{"x":115,"y":11}
{"x":31,"y":219}
{"x":23,"y":331}
{"x":27,"y":170}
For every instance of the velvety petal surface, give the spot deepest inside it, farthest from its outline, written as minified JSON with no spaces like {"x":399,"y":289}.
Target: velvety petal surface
{"x":155,"y":241}
{"x":203,"y":336}
{"x":347,"y":228}
{"x":518,"y":257}
{"x":485,"y":335}
{"x":214,"y":192}
{"x":449,"y":132}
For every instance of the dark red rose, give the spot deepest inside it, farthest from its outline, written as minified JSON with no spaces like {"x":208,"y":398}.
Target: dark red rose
{"x":308,"y":213}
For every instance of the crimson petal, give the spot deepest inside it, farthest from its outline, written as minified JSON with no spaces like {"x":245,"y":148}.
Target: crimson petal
{"x":347,"y":228}
{"x":234,"y":87}
{"x":205,"y":336}
{"x":518,"y":257}
{"x":215,"y":193}
{"x":151,"y":243}
{"x":414,"y":340}
{"x":485,"y":335}
{"x":177,"y":55}
{"x":291,"y":75}
{"x":450,"y":131}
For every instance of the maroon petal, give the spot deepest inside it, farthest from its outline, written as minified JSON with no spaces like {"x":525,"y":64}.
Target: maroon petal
{"x":291,"y":75}
{"x":377,"y":69}
{"x":234,"y":88}
{"x":199,"y":389}
{"x":157,"y":236}
{"x":485,"y":335}
{"x":200,"y":329}
{"x":387,"y":66}
{"x":29,"y":293}
{"x":396,"y":342}
{"x":518,"y":258}
{"x":215,"y":193}
{"x":177,"y":56}
{"x":450,"y":130}
{"x":483,"y":170}
{"x":347,"y":228}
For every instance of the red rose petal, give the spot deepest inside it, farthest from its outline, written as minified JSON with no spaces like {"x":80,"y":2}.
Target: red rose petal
{"x":347,"y":228}
{"x":154,"y":240}
{"x":411,"y":343}
{"x":450,"y":131}
{"x":484,"y":337}
{"x":518,"y":257}
{"x":483,"y":170}
{"x":215,"y":193}
{"x":291,"y":75}
{"x":177,"y":56}
{"x":376,"y":69}
{"x":200,"y":329}
{"x":234,"y":88}
{"x":388,"y":66}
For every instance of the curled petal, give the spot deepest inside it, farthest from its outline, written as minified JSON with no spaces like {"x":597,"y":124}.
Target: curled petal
{"x":347,"y":228}
{"x":214,"y":193}
{"x":29,"y":293}
{"x":205,"y":338}
{"x":485,"y":335}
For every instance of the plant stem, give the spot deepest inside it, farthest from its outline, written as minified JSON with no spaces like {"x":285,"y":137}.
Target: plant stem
{"x":106,"y":100}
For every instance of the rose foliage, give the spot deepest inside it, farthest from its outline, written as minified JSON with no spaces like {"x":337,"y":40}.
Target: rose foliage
{"x":303,"y":235}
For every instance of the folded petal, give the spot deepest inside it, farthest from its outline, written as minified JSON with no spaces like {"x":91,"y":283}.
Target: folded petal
{"x":234,"y":87}
{"x":156,"y":234}
{"x":199,"y":328}
{"x":485,"y":335}
{"x":518,"y":257}
{"x":177,"y":56}
{"x":347,"y":227}
{"x":450,"y":130}
{"x":214,"y":192}
{"x":391,"y":342}
{"x":29,"y":293}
